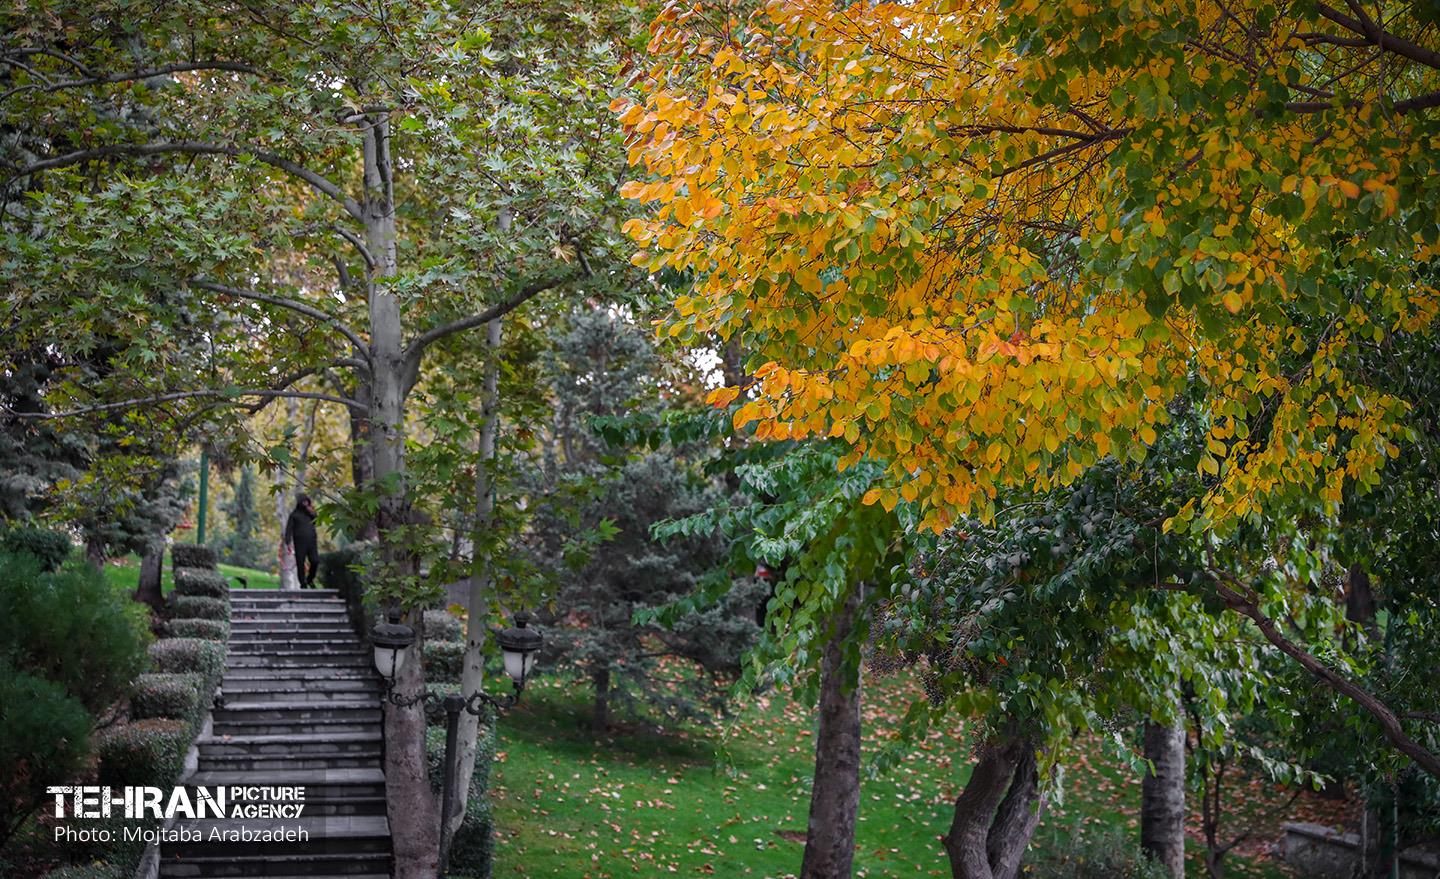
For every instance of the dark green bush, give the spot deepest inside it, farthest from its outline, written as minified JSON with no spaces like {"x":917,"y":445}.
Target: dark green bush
{"x":473,"y":848}
{"x":338,"y":569}
{"x":190,"y":655}
{"x":191,"y":555}
{"x":205,"y":630}
{"x":441,"y":625}
{"x":49,"y":546}
{"x":201,"y":581}
{"x":44,"y":737}
{"x":444,"y":661}
{"x":71,"y":627}
{"x":168,"y":695}
{"x":200,"y":607}
{"x":1109,"y":855}
{"x":145,"y":752}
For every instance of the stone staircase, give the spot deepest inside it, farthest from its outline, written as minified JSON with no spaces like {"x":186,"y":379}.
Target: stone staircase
{"x":301,"y":708}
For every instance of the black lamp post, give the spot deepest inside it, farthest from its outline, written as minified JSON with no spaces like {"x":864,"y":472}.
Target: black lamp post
{"x":392,"y":641}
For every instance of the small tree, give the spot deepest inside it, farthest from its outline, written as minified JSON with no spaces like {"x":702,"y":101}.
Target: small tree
{"x":615,"y":570}
{"x":242,"y":545}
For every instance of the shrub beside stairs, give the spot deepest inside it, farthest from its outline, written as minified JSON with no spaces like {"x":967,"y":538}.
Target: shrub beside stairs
{"x":299,"y":706}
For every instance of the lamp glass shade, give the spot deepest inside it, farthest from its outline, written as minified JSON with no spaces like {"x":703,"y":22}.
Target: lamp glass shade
{"x":518,"y":665}
{"x":389,"y":660}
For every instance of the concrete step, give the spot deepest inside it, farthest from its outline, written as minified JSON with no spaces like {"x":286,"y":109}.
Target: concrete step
{"x":238,"y":698}
{"x":236,"y":594}
{"x":289,"y":636}
{"x":315,"y":727}
{"x":347,"y":834}
{"x":319,"y":784}
{"x":300,"y":660}
{"x":291,"y":711}
{"x":298,"y":649}
{"x":285,"y":624}
{"x":359,"y":758}
{"x":357,"y":866}
{"x":264,"y":745}
{"x":358,"y":681}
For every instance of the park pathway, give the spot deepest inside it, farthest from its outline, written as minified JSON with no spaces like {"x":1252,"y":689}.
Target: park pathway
{"x":301,"y":708}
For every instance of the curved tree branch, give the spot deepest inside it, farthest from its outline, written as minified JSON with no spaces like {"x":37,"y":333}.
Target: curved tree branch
{"x":318,"y":182}
{"x":295,"y":306}
{"x":165,"y":70}
{"x":1243,"y":600}
{"x":416,"y":349}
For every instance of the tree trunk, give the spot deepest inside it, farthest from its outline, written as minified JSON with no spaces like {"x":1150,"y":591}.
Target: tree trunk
{"x":95,"y":551}
{"x":362,"y":460}
{"x":996,"y":813}
{"x":1162,"y":797}
{"x":472,"y":673}
{"x":835,"y":796}
{"x":600,"y":715}
{"x":413,"y":810}
{"x":152,"y":562}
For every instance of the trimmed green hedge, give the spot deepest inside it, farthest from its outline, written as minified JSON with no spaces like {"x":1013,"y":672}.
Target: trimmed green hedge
{"x":145,"y":752}
{"x":472,"y":851}
{"x":444,"y":660}
{"x":191,"y":555}
{"x":168,"y":695}
{"x":185,"y":655}
{"x":200,"y":607}
{"x":201,"y":581}
{"x":441,"y":625}
{"x":205,"y":630}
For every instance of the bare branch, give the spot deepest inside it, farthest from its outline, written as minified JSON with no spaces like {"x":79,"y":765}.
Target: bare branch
{"x":416,"y":349}
{"x":293,"y":305}
{"x":165,"y":70}
{"x":318,"y":182}
{"x":186,"y":395}
{"x":1380,"y":37}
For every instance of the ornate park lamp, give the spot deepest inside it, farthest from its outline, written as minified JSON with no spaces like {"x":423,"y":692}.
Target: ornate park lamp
{"x":392,"y":641}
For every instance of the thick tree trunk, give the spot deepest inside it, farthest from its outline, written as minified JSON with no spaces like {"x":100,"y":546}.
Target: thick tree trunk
{"x":600,"y":714}
{"x":95,"y":551}
{"x":835,"y":796}
{"x":472,"y":673}
{"x":997,"y":813}
{"x":413,"y":809}
{"x":1162,"y":797}
{"x":152,"y":562}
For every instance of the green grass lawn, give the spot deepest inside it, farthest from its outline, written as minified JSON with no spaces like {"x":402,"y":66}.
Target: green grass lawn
{"x":124,"y":573}
{"x":734,"y":800}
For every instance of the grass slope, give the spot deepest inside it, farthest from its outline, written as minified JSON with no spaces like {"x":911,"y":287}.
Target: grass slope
{"x":734,"y":800}
{"x":124,"y":573}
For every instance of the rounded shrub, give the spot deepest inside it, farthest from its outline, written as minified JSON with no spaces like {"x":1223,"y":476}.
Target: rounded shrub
{"x":44,"y":737}
{"x":201,"y":581}
{"x":1108,"y":855}
{"x":192,"y":555}
{"x":190,"y":655}
{"x":444,"y":660}
{"x":71,"y":627}
{"x":205,"y":630}
{"x":169,"y":695}
{"x":144,"y":752}
{"x":201,"y":607}
{"x":49,"y":546}
{"x":441,"y":625}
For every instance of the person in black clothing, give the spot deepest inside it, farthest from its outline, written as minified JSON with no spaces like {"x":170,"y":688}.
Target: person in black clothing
{"x":300,"y":532}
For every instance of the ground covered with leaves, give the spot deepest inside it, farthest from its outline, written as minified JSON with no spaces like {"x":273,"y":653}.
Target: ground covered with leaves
{"x":733,"y":800}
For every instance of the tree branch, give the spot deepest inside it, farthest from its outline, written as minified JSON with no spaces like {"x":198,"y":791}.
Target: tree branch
{"x":1379,"y":37}
{"x":416,"y":349}
{"x":318,"y":182}
{"x":1242,"y":599}
{"x":186,"y":395}
{"x":165,"y":70}
{"x":293,"y":305}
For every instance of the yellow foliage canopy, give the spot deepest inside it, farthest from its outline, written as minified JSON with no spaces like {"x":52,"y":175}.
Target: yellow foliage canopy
{"x":991,"y":243}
